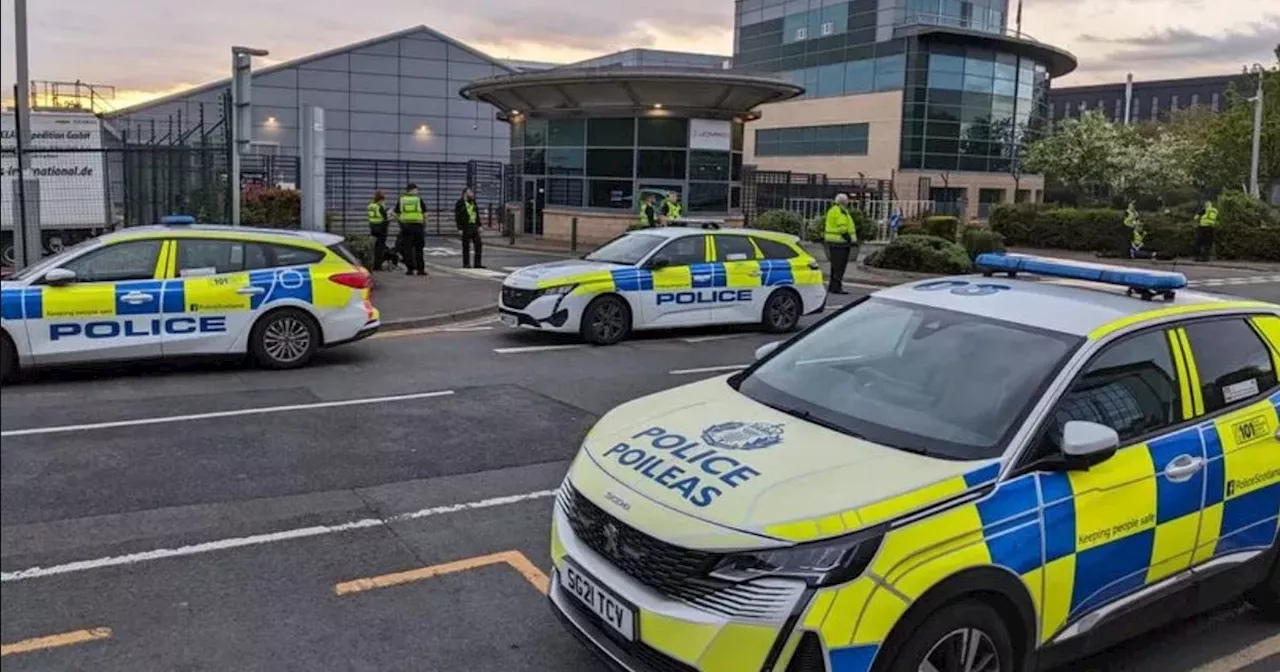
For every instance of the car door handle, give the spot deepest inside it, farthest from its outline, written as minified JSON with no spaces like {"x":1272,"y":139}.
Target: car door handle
{"x":1183,"y":467}
{"x":755,"y":274}
{"x":249,"y":291}
{"x":136,"y":297}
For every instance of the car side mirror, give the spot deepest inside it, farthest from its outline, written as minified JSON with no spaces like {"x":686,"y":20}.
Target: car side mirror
{"x":658,"y":264}
{"x":1085,"y":444}
{"x":60,"y":276}
{"x":767,"y":349}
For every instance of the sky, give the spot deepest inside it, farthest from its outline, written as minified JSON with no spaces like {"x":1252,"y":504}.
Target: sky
{"x":148,"y":48}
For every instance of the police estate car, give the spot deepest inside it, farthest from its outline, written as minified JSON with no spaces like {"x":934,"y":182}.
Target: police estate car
{"x":956,"y":475}
{"x":668,"y":277}
{"x":183,"y":289}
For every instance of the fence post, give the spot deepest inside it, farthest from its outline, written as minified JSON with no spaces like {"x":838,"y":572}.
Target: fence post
{"x":573,"y":235}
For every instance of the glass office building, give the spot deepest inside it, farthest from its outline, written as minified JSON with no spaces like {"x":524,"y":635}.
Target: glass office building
{"x":923,"y":90}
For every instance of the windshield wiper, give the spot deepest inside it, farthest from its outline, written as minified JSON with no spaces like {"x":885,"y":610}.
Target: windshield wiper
{"x":808,"y":416}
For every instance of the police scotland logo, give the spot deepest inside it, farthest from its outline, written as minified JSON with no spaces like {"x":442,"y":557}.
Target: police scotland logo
{"x":743,"y":435}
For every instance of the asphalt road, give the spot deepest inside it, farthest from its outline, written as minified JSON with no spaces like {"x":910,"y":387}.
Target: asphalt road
{"x":213,"y":517}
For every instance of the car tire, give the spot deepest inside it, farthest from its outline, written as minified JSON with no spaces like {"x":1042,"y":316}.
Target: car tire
{"x":8,"y":358}
{"x":947,"y":634}
{"x":1266,"y":597}
{"x":607,"y":320}
{"x":284,"y":339}
{"x":782,"y":311}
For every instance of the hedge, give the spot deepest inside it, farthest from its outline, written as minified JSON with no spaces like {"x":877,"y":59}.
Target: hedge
{"x":980,"y":240}
{"x":811,"y":231}
{"x":271,"y":207}
{"x":921,"y":254}
{"x":1247,"y":229}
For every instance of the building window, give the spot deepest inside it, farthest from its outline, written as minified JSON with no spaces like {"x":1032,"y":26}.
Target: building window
{"x":1155,"y":107}
{"x":708,"y":196}
{"x":828,"y":28}
{"x":663,"y":132}
{"x":1195,"y":99}
{"x":831,"y":140}
{"x":709,"y":166}
{"x":565,"y":191}
{"x":566,"y":133}
{"x":611,"y":132}
{"x":610,"y":163}
{"x":610,"y":194}
{"x":1173,"y":104}
{"x":661,"y":164}
{"x":802,"y":33}
{"x":566,"y":161}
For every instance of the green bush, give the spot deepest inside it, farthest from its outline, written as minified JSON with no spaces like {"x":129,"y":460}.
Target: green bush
{"x":780,"y":220}
{"x":981,"y":240}
{"x":1247,"y":229}
{"x":942,"y":226}
{"x":921,"y":254}
{"x":362,"y":247}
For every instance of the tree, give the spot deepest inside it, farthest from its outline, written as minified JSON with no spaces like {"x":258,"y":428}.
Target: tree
{"x":1083,"y":154}
{"x":1154,"y":166}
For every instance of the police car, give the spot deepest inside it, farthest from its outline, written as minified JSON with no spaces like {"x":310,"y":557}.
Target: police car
{"x":668,"y":277}
{"x":993,"y":474}
{"x":184,"y":289}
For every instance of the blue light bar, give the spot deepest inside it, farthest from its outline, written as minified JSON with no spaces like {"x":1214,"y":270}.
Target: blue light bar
{"x":172,"y":220}
{"x":1136,"y":279}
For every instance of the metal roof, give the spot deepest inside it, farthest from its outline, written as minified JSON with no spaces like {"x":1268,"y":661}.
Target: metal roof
{"x":1065,"y":306}
{"x":222,"y":83}
{"x":631,"y":90}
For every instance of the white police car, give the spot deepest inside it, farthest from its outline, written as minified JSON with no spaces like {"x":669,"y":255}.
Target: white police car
{"x":183,"y":289}
{"x":668,"y":277}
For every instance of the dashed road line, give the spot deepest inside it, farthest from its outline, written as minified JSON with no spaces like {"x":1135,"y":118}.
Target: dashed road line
{"x":165,"y":419}
{"x":1232,"y":282}
{"x":267,"y":538}
{"x":716,"y":337}
{"x":514,"y":559}
{"x":538,"y":348}
{"x":708,"y":369}
{"x":55,"y":641}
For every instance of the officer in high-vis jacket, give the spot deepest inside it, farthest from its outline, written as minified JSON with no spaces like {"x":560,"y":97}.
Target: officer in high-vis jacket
{"x":841,"y":239}
{"x":411,"y":212}
{"x":376,"y":215}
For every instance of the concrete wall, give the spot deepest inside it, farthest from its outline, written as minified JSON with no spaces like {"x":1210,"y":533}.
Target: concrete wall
{"x":881,"y":111}
{"x":376,"y":98}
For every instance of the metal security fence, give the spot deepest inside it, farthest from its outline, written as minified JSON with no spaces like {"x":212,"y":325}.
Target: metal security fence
{"x":350,"y":183}
{"x":803,"y":193}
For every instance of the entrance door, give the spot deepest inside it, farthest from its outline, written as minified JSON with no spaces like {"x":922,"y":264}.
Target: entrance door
{"x":535,"y":199}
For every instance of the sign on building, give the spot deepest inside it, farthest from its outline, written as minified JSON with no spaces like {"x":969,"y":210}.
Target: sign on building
{"x":710,"y":134}
{"x":72,"y":184}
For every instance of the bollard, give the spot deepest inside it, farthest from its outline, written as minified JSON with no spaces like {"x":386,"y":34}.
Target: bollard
{"x":573,"y":235}
{"x":511,"y":226}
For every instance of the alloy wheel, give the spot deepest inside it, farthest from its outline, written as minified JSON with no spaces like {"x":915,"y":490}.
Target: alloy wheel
{"x":286,"y":339}
{"x":964,"y":650}
{"x":607,"y":321}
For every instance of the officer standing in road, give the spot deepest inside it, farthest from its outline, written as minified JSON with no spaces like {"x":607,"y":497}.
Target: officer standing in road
{"x":840,"y":238}
{"x":376,"y":214}
{"x":468,"y":220}
{"x":1204,"y":231}
{"x":1137,"y":234}
{"x":412,"y":215}
{"x":670,"y":211}
{"x":648,"y":213}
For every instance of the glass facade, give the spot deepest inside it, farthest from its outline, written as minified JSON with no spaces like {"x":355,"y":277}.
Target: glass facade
{"x":607,"y":162}
{"x":969,"y":108}
{"x":832,"y":140}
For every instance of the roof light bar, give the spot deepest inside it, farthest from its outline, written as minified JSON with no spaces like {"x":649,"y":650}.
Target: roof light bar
{"x":175,"y":220}
{"x":1142,"y":282}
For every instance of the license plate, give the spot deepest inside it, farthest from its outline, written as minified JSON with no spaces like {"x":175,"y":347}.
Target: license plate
{"x":509,"y":320}
{"x":613,"y":611}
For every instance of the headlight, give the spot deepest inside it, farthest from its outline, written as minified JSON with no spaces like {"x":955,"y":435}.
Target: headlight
{"x":557,"y":291}
{"x":821,"y":563}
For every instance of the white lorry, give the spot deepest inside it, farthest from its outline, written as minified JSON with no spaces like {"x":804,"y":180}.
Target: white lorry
{"x":68,"y":179}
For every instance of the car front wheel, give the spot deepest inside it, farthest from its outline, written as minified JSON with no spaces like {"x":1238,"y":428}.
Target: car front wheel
{"x":966,"y":636}
{"x":606,"y":321}
{"x":284,"y":339}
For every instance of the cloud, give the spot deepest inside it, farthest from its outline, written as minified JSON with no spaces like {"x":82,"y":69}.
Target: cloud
{"x":1183,"y":44}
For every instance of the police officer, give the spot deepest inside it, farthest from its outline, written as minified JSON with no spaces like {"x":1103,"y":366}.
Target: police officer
{"x":467,"y":218}
{"x":670,"y":211}
{"x":648,"y":213}
{"x":1204,"y":231}
{"x":1137,"y":234}
{"x":840,"y":238}
{"x":376,"y":215}
{"x":412,"y":214}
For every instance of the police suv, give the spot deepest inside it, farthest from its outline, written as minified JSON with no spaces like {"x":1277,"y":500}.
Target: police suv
{"x":668,"y":277}
{"x":966,"y":474}
{"x":184,"y":289}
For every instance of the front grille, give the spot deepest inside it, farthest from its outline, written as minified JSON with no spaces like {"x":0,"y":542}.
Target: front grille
{"x":808,"y":656}
{"x":518,"y":298}
{"x":676,"y":573}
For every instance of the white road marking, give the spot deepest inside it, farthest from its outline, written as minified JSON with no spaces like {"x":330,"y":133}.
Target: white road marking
{"x":62,"y":429}
{"x":480,"y":272}
{"x":537,"y":348}
{"x":708,"y":369}
{"x":512,"y":269}
{"x":268,"y":538}
{"x":717,"y":337}
{"x":1244,"y":280}
{"x":466,"y":329}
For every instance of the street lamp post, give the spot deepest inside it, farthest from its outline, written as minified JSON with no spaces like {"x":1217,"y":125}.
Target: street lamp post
{"x":1254,"y":189}
{"x":27,"y":244}
{"x":241,"y":116}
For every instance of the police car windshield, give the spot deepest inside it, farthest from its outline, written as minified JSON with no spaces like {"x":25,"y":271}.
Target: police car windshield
{"x":921,"y":379}
{"x":54,"y":261}
{"x":629,"y":249}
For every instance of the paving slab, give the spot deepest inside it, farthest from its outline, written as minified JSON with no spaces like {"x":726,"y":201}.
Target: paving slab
{"x":419,"y":301}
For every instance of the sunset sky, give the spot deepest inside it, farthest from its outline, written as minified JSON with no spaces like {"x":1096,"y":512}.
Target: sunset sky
{"x":147,"y":48}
